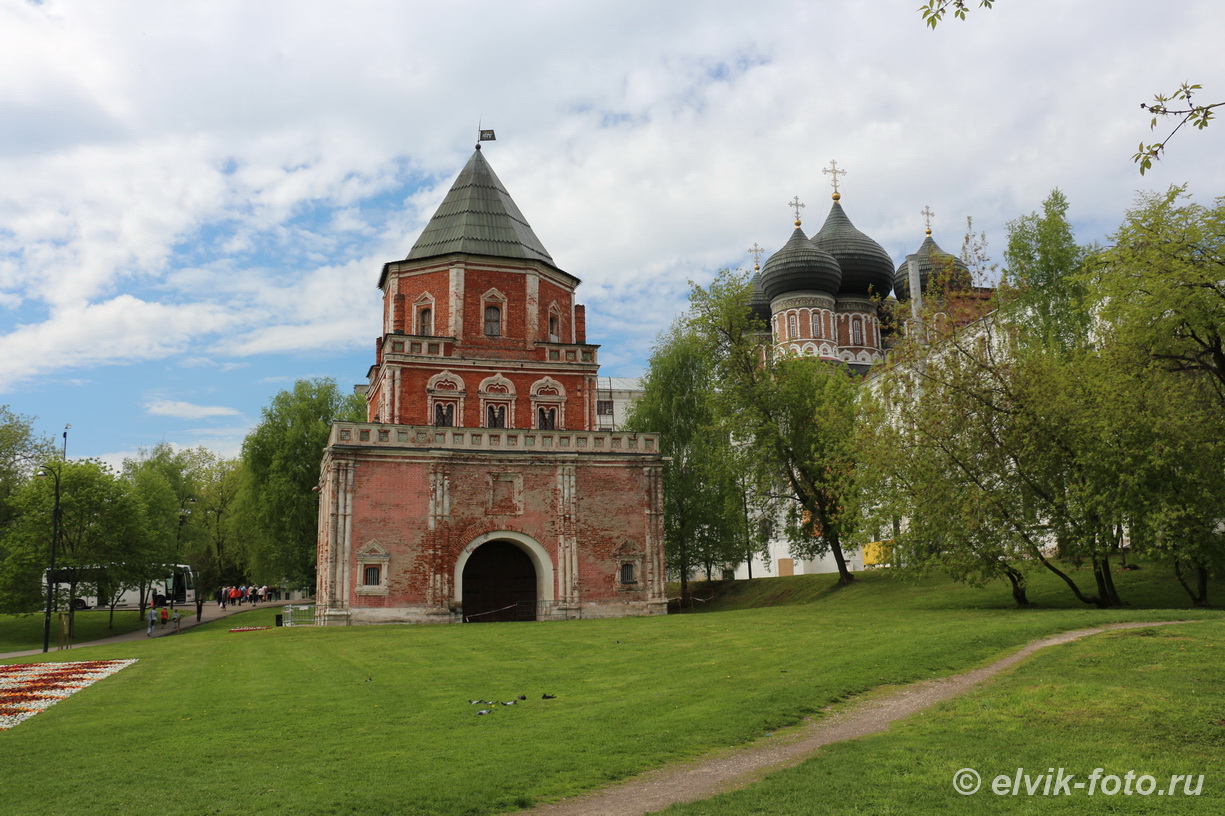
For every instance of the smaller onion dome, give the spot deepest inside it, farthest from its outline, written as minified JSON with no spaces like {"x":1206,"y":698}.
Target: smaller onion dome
{"x":800,"y":267}
{"x":935,"y":261}
{"x":759,"y":304}
{"x":867,"y":268}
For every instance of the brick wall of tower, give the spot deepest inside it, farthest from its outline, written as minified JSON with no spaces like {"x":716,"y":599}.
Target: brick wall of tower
{"x":391,"y":500}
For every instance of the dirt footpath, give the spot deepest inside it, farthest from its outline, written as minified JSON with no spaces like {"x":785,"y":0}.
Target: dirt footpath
{"x":739,"y":767}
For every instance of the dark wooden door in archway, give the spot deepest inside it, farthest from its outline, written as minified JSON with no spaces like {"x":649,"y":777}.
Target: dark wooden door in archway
{"x":499,"y":584}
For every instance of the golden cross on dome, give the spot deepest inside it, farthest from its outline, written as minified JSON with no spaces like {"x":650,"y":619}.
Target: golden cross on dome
{"x":756,"y":252}
{"x":796,"y":205}
{"x":927,"y":214}
{"x":834,"y":172}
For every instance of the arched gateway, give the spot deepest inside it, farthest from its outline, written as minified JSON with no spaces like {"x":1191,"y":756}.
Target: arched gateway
{"x":503,"y":576}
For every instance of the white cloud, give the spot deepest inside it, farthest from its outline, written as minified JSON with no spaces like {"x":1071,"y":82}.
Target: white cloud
{"x":186,"y":410}
{"x":223,"y":181}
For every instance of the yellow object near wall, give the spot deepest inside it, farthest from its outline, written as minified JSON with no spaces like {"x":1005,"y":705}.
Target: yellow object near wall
{"x":877,"y":553}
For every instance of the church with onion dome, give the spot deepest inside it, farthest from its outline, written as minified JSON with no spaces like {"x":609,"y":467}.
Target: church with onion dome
{"x":839,"y":296}
{"x":822,"y":296}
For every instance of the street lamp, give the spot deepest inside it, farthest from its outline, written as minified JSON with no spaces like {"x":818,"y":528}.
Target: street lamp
{"x":55,"y":535}
{"x":67,"y":428}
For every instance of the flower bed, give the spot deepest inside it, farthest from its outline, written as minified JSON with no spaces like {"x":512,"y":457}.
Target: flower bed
{"x":28,"y":688}
{"x":249,"y":628}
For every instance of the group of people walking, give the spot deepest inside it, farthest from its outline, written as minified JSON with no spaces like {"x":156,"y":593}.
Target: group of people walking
{"x":163,"y":613}
{"x":239,"y":595}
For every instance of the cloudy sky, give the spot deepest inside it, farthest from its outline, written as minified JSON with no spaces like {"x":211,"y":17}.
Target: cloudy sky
{"x":196,"y":198}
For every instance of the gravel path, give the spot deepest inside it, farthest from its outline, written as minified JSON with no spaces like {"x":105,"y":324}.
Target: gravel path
{"x":739,"y":767}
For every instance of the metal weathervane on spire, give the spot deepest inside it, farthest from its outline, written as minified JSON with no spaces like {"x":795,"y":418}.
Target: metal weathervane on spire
{"x":834,"y":172}
{"x":927,"y":214}
{"x":756,"y":252}
{"x":796,"y":205}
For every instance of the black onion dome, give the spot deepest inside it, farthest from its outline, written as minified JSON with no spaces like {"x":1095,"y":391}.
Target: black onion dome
{"x":759,"y":304}
{"x":866,"y":268}
{"x":932,"y":260}
{"x":800,"y":266}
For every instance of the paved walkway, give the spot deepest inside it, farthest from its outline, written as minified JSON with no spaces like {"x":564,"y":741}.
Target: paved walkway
{"x":211,"y":612}
{"x":737,"y":768}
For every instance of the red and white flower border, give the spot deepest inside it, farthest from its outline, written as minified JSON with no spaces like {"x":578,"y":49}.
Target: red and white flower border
{"x":29,"y":688}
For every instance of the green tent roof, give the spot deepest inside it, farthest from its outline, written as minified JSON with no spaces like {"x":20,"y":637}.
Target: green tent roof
{"x":478,"y":217}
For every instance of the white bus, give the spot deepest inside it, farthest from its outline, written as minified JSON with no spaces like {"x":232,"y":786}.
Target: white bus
{"x":175,"y":585}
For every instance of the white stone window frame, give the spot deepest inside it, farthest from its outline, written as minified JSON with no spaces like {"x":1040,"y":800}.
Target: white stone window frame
{"x":554,"y":314}
{"x":495,"y":298}
{"x":497,"y":391}
{"x":425,"y":301}
{"x":437,"y":393}
{"x":628,"y":555}
{"x":555,"y":400}
{"x":373,"y":554}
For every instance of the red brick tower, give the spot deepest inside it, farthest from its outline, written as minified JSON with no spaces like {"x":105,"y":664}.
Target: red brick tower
{"x":478,"y":489}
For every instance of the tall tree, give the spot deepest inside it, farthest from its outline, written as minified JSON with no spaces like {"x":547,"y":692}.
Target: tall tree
{"x":1161,"y":287}
{"x":702,"y":519}
{"x":280,"y":467}
{"x":798,"y":414}
{"x":102,"y":535}
{"x":1042,"y":284}
{"x":22,"y":451}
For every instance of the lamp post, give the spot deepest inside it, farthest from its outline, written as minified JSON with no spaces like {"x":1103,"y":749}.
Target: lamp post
{"x":55,"y":535}
{"x":67,"y":428}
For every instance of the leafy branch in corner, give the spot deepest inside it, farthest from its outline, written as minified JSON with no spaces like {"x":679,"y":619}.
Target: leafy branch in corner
{"x":1188,"y":113}
{"x":933,"y":11}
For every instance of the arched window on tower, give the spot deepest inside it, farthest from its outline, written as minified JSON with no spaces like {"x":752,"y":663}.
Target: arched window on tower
{"x":554,"y":329}
{"x":493,"y":321}
{"x":495,"y":416}
{"x":793,"y":327}
{"x":546,"y":419}
{"x":816,"y":324}
{"x":856,"y":332}
{"x":425,"y":321}
{"x":444,"y":414}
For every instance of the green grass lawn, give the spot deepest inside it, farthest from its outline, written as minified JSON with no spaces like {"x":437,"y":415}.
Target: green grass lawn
{"x":371,"y":720}
{"x":19,"y":633}
{"x":1151,"y":701}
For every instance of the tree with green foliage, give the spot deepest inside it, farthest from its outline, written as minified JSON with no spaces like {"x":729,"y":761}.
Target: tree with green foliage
{"x":1042,"y":288}
{"x":1000,"y":455}
{"x":21,"y":453}
{"x":702,"y":525}
{"x":1160,"y":298}
{"x":1014,"y":438}
{"x":280,"y":467}
{"x":796,"y":414}
{"x":1160,"y":288}
{"x":103,"y":535}
{"x":1186,"y":489}
{"x":214,"y":519}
